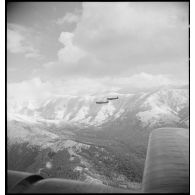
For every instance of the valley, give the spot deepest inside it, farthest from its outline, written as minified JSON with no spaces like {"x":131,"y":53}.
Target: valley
{"x":74,"y":138}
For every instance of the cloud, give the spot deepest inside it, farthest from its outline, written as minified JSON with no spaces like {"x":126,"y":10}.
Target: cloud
{"x":70,"y":53}
{"x":118,"y":37}
{"x":113,"y":47}
{"x":69,"y":17}
{"x":37,"y":89}
{"x":18,"y":41}
{"x":49,"y":64}
{"x":14,"y":42}
{"x":33,"y":54}
{"x":28,"y":89}
{"x":143,"y":81}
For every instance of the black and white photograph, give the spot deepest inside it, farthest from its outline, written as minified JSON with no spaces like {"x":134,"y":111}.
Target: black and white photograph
{"x":97,"y":97}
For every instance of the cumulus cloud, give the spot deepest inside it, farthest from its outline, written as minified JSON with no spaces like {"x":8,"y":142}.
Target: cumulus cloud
{"x":117,"y":37}
{"x":114,"y":47}
{"x":18,"y":41}
{"x":70,"y":53}
{"x":70,"y":17}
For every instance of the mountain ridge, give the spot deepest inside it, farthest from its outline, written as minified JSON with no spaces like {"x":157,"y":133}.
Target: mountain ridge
{"x":55,"y":139}
{"x":83,"y":111}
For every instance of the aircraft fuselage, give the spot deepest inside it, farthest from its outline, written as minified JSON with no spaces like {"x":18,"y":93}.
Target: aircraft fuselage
{"x":114,"y":98}
{"x":105,"y":102}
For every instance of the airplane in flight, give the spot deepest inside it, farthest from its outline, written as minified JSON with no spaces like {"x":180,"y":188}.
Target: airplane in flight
{"x":102,"y":102}
{"x":112,"y":98}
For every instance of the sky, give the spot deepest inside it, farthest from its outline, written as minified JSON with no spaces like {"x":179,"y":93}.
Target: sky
{"x":83,"y":48}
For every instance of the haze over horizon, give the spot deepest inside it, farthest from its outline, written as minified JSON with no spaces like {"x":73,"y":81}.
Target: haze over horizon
{"x":81,"y":48}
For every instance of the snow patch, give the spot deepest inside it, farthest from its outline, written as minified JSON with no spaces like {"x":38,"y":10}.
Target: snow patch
{"x":118,"y":114}
{"x":81,"y":113}
{"x":104,"y":113}
{"x":22,"y":118}
{"x":151,"y":117}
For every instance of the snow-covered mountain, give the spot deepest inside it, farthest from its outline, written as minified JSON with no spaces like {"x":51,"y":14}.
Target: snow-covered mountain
{"x":164,"y":105}
{"x":75,"y":138}
{"x":150,"y":107}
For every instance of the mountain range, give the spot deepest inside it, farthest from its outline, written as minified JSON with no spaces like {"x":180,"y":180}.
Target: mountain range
{"x":74,"y":137}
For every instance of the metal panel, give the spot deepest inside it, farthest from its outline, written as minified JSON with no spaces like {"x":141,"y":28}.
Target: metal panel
{"x":167,"y":162}
{"x":19,"y":182}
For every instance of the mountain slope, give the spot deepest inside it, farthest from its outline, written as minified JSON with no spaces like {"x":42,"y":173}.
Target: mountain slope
{"x":75,"y":138}
{"x":151,"y":107}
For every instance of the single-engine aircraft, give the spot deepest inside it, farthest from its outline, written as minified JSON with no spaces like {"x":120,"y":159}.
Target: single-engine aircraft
{"x":112,"y":98}
{"x":102,"y":102}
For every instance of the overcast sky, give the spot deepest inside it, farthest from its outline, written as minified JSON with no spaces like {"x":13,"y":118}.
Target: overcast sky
{"x":84,"y":48}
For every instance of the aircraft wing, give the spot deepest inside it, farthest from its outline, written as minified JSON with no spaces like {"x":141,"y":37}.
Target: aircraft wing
{"x":167,"y":162}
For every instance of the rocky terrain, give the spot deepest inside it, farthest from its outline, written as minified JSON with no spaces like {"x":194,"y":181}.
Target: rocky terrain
{"x":73,"y":137}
